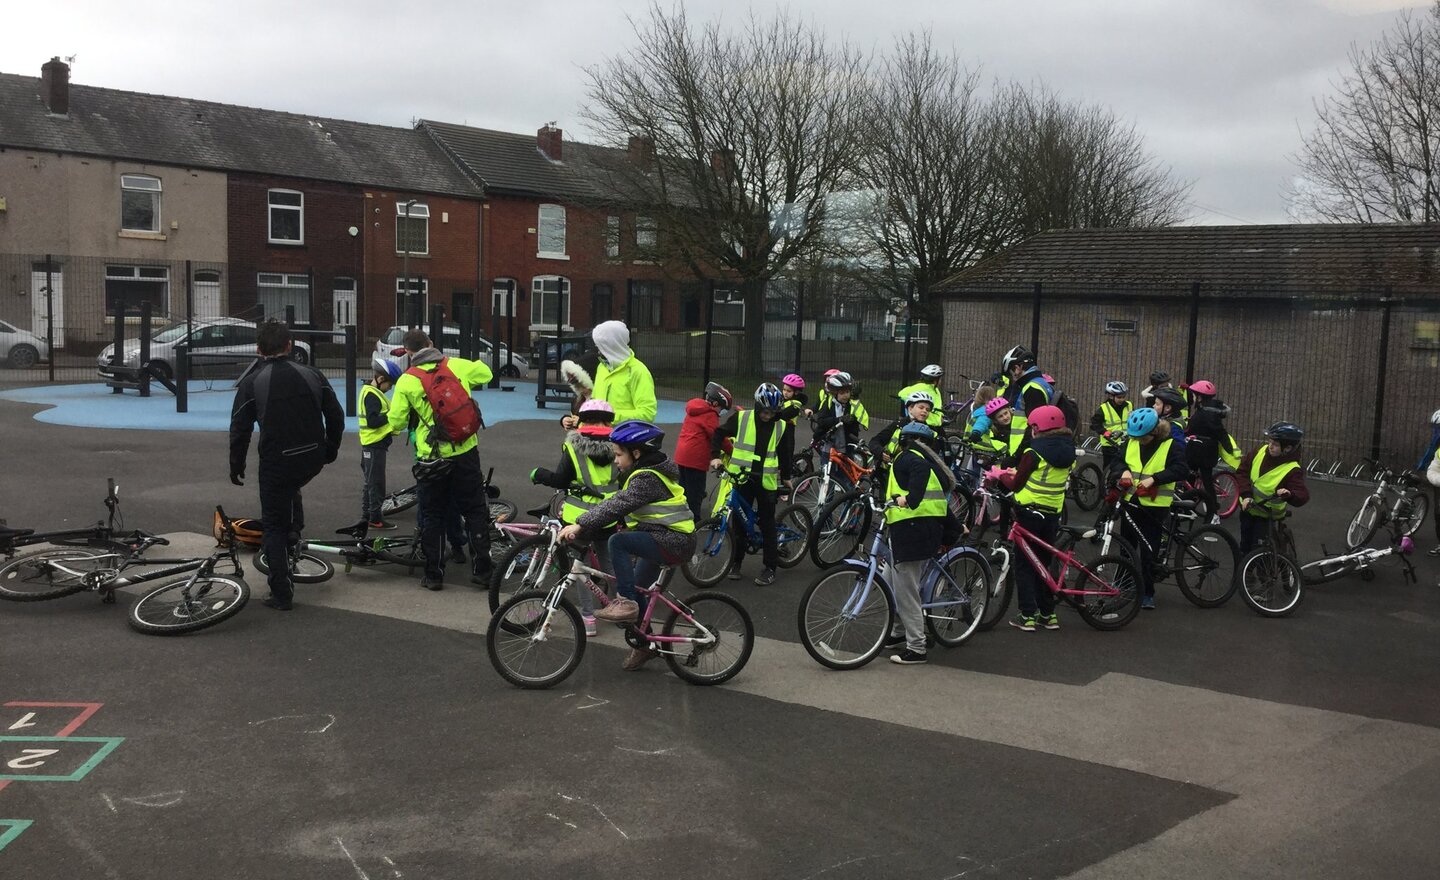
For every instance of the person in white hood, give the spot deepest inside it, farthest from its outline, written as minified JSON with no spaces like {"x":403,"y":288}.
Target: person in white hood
{"x":621,"y":379}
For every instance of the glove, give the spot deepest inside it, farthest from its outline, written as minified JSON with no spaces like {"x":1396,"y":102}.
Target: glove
{"x":238,"y":479}
{"x":533,"y":472}
{"x":974,"y":436}
{"x":331,"y":454}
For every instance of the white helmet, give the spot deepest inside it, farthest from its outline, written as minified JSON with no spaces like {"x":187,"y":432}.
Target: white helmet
{"x":1435,"y":417}
{"x":1116,"y":388}
{"x":839,"y":381}
{"x":932,"y":371}
{"x":915,"y":397}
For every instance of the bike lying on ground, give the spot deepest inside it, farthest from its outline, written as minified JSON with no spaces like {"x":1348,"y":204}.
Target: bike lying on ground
{"x":1407,"y":510}
{"x":1362,"y":561}
{"x":104,"y":533}
{"x":359,"y":548}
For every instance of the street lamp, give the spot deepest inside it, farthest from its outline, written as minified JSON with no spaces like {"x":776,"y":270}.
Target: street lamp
{"x":405,"y":260}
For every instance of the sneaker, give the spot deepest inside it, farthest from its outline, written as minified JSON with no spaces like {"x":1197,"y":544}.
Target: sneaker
{"x":1148,"y":603}
{"x":590,"y":629}
{"x":381,"y":525}
{"x":1434,"y":551}
{"x":1023,"y":622}
{"x":908,"y":657}
{"x":619,"y":611}
{"x":482,"y":577}
{"x":894,"y":640}
{"x":638,"y":657}
{"x":766,"y":578}
{"x":1049,"y":621}
{"x":434,"y":586}
{"x":734,"y":573}
{"x":457,"y":554}
{"x":278,"y":604}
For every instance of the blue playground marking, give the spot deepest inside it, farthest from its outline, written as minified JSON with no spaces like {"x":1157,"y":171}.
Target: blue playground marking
{"x":17,"y":827}
{"x":94,"y":406}
{"x":108,"y":745}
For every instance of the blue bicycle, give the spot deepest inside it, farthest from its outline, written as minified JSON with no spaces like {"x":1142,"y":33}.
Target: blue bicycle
{"x":715,"y":536}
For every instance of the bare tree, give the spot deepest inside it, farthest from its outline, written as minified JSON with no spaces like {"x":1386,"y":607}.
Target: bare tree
{"x":741,"y":138}
{"x":1374,"y":154}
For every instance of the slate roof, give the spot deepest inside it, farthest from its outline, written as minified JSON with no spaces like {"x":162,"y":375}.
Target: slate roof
{"x":203,"y":134}
{"x":513,"y":164}
{"x":1291,"y":259}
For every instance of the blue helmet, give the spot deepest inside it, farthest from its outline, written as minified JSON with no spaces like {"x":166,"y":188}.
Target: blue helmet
{"x":917,"y":429}
{"x":1141,"y":422}
{"x":386,"y":367}
{"x":767,"y":396}
{"x":635,"y":434}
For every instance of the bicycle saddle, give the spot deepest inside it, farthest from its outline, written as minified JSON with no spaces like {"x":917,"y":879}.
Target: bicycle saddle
{"x":542,"y":510}
{"x":1184,"y":504}
{"x":357,"y":531}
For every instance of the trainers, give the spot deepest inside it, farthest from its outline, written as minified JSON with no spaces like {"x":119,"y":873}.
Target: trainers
{"x":894,"y":640}
{"x":589,"y":624}
{"x":638,"y":657}
{"x":381,"y":525}
{"x":482,"y":577}
{"x":1023,"y":622}
{"x":908,"y":657}
{"x":1435,"y":551}
{"x":766,"y":578}
{"x":278,"y":604}
{"x":734,"y":573}
{"x":457,"y":554}
{"x":434,"y":586}
{"x":1049,"y":621}
{"x":619,"y":611}
{"x":1148,"y":603}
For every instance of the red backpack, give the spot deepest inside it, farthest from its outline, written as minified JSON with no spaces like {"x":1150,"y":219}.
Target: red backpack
{"x":456,"y":415}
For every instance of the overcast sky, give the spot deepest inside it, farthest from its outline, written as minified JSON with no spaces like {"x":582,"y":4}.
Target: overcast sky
{"x":1220,"y":88}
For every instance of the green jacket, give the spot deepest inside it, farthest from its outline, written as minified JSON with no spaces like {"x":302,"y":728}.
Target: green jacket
{"x":409,"y":397}
{"x":628,"y":388}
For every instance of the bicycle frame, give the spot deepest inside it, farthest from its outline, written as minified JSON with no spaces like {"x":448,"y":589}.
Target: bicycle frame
{"x":640,"y":628}
{"x":108,"y":580}
{"x":879,"y":554}
{"x":1026,"y":541}
{"x":101,"y":532}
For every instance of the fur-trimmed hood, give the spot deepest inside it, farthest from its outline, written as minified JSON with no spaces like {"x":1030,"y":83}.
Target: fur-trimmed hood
{"x":597,"y":449}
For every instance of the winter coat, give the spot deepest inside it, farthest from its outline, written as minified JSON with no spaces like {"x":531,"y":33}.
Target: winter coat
{"x":640,"y":490}
{"x":692,"y":448}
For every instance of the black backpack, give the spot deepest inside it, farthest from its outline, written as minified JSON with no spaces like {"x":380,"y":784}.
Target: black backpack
{"x":1069,"y":407}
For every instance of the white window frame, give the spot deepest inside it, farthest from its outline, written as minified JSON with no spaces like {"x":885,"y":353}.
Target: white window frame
{"x":612,"y":237}
{"x":140,"y":183}
{"x":555,"y":224}
{"x":161,"y":274}
{"x":418,"y":211}
{"x":272,"y":208}
{"x":647,"y":239}
{"x":538,"y":299}
{"x":500,"y":297}
{"x":287,"y":281}
{"x":416,"y":281}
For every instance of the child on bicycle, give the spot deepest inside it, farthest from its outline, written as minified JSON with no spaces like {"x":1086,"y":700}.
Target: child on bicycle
{"x":764,"y":449}
{"x":928,"y":384}
{"x":794,"y":401}
{"x":586,"y":459}
{"x":845,"y":415}
{"x":1206,"y":431}
{"x":1038,"y":481}
{"x":1147,"y":471}
{"x":375,"y":439}
{"x":1108,"y":422}
{"x":919,"y":485}
{"x":657,"y":528}
{"x":1269,"y":478}
{"x":1170,"y":407}
{"x":692,"y":448}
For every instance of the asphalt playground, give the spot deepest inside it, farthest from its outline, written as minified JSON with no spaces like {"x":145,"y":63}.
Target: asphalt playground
{"x":364,"y":735}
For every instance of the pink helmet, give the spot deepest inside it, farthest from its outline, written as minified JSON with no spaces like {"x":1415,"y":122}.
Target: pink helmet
{"x":599,"y":408}
{"x":794,"y":380}
{"x":995,"y":404}
{"x":830,"y":372}
{"x":1046,"y":418}
{"x":1204,"y":386}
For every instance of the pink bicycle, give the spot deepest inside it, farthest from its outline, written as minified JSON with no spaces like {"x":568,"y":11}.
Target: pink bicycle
{"x":535,"y":558}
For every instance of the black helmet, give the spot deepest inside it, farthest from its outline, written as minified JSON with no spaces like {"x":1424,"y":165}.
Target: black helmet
{"x":1017,"y":355}
{"x":718,"y":394}
{"x":1288,"y":433}
{"x":1159,"y":377}
{"x":1171,"y":397}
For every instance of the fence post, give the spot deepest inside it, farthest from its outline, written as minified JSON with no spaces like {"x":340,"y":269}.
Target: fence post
{"x":909,"y":327}
{"x":50,"y":315}
{"x":1194,"y":332}
{"x":145,"y":312}
{"x":1386,"y":304}
{"x":709,"y":326}
{"x":799,"y":321}
{"x":117,"y":357}
{"x":1035,"y":322}
{"x":437,"y":325}
{"x":182,"y":376}
{"x":350,"y":369}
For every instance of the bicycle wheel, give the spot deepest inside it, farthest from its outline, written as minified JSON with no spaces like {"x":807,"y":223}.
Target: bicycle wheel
{"x":792,"y":533}
{"x":183,"y":606}
{"x":958,"y":599}
{"x":844,"y":617}
{"x":1227,"y":494}
{"x":806,"y":491}
{"x":720,"y":660}
{"x":1087,"y":486}
{"x":530,"y":646}
{"x":503,"y":511}
{"x":839,"y":528}
{"x":710,"y":559}
{"x":1412,"y":513}
{"x":1002,"y":586}
{"x":1271,"y":583}
{"x":50,"y":574}
{"x":305,"y":568}
{"x":1113,"y":597}
{"x":1363,"y":525}
{"x":523,"y":568}
{"x":1205,"y":564}
{"x":397,"y":502}
{"x":401,"y":551}
{"x":961,"y":505}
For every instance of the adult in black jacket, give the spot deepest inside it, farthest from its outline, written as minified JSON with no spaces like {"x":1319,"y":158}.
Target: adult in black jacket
{"x":301,"y":425}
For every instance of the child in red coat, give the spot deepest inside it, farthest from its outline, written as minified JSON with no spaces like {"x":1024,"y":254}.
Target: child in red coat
{"x":692,"y":448}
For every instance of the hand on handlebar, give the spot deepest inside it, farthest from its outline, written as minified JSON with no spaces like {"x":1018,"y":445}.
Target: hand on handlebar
{"x":238,"y":479}
{"x":569,"y":533}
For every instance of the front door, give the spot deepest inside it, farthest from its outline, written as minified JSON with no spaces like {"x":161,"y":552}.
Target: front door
{"x":207,"y":294}
{"x":43,"y":305}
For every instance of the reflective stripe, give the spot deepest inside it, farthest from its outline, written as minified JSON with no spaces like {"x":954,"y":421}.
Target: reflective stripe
{"x":598,"y":478}
{"x":1046,"y":486}
{"x":932,"y":503}
{"x":1268,"y":484}
{"x":1165,"y":492}
{"x":744,"y":456}
{"x":672,"y":512}
{"x":371,"y":436}
{"x":1114,"y":420}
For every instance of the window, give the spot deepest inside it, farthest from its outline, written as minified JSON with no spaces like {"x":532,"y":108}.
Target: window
{"x":500,"y":290}
{"x":139,"y":203}
{"x":729,"y":310}
{"x":552,"y":231}
{"x":137,"y":284}
{"x":612,"y":237}
{"x":342,"y":302}
{"x":1115,"y":326}
{"x":602,"y":303}
{"x":287,"y":217}
{"x":412,"y":310}
{"x":549,"y":298}
{"x":277,"y":293}
{"x":647,"y":238}
{"x":646,"y":306}
{"x":412,"y":233}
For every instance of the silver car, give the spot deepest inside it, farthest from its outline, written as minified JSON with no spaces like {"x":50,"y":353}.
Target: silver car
{"x":21,"y":349}
{"x":392,"y":339}
{"x":219,"y":347}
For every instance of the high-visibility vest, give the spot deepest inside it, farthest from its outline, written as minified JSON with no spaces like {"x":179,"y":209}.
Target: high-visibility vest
{"x":1018,"y":420}
{"x":371,"y":436}
{"x":1046,"y":486}
{"x":1229,"y":450}
{"x":935,"y":418}
{"x":1268,"y":484}
{"x":598,"y":478}
{"x":1114,"y":420}
{"x":744,"y":455}
{"x":672,"y":513}
{"x":932,"y":503}
{"x":1164,"y":492}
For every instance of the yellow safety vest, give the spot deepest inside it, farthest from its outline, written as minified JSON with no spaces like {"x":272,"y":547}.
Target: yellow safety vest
{"x":672,"y":513}
{"x":1164,"y":492}
{"x":598,"y":478}
{"x":935,"y":419}
{"x":1229,"y":450}
{"x":932,"y":503}
{"x":371,"y":436}
{"x":744,"y":454}
{"x":1046,"y":486}
{"x":1114,"y":420}
{"x":1018,"y":420}
{"x":1268,"y":484}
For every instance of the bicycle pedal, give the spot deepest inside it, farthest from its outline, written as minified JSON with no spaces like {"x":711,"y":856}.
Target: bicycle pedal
{"x":108,"y":597}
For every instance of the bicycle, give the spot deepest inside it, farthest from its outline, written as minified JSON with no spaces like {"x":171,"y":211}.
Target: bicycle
{"x":104,"y":533}
{"x":713,"y":549}
{"x":848,"y":611}
{"x":363,"y":550}
{"x":1361,"y":561}
{"x":536,"y":638}
{"x":1086,"y":484}
{"x":841,"y":472}
{"x":539,"y":554}
{"x":1271,"y":581}
{"x":185,"y":605}
{"x":1408,"y":511}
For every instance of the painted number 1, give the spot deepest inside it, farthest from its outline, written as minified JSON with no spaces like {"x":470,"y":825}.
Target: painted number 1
{"x":31,"y":758}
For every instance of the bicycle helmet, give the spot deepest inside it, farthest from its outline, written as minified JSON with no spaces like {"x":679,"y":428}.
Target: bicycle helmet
{"x":1116,"y":387}
{"x":1046,"y":418}
{"x":386,"y":367}
{"x":794,"y":380}
{"x":1204,"y":387}
{"x":1141,"y":422}
{"x":716,"y":393}
{"x":912,"y":430}
{"x":915,"y":397}
{"x":635,"y":434}
{"x":1170,"y":396}
{"x":1159,"y":377}
{"x":932,"y":371}
{"x":830,"y":372}
{"x":597,"y":410}
{"x":995,"y":405}
{"x":1017,"y":355}
{"x":1435,"y":417}
{"x":839,"y":381}
{"x":1286,"y":432}
{"x":767,"y":397}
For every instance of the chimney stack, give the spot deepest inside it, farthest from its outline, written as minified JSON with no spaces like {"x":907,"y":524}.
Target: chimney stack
{"x":642,"y":151}
{"x":722,"y":162}
{"x":549,"y":139}
{"x":55,"y":86}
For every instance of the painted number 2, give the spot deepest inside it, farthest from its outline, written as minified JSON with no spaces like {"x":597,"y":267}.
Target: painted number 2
{"x":31,"y":758}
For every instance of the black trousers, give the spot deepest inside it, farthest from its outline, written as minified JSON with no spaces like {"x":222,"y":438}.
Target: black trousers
{"x":282,"y":515}
{"x":464,"y":483}
{"x":763,"y":501}
{"x":1151,"y":522}
{"x":1203,"y":455}
{"x":1032,"y":594}
{"x":692,"y":481}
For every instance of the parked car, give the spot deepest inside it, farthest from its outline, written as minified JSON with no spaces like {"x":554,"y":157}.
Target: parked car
{"x":569,"y":348}
{"x":222,"y":347}
{"x":21,"y":349}
{"x":391,"y":340}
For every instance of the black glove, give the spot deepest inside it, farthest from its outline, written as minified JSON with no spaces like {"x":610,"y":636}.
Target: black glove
{"x":238,"y":479}
{"x":331,"y":454}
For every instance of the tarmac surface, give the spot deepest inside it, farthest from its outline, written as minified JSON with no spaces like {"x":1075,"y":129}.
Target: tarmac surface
{"x":364,"y":735}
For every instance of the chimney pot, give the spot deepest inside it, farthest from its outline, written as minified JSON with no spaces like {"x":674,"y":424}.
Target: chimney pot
{"x":642,"y":151}
{"x":550,"y":141}
{"x":55,"y":86}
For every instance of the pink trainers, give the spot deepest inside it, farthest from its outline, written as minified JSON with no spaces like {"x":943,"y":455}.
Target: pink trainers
{"x":589,"y":624}
{"x":619,"y":611}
